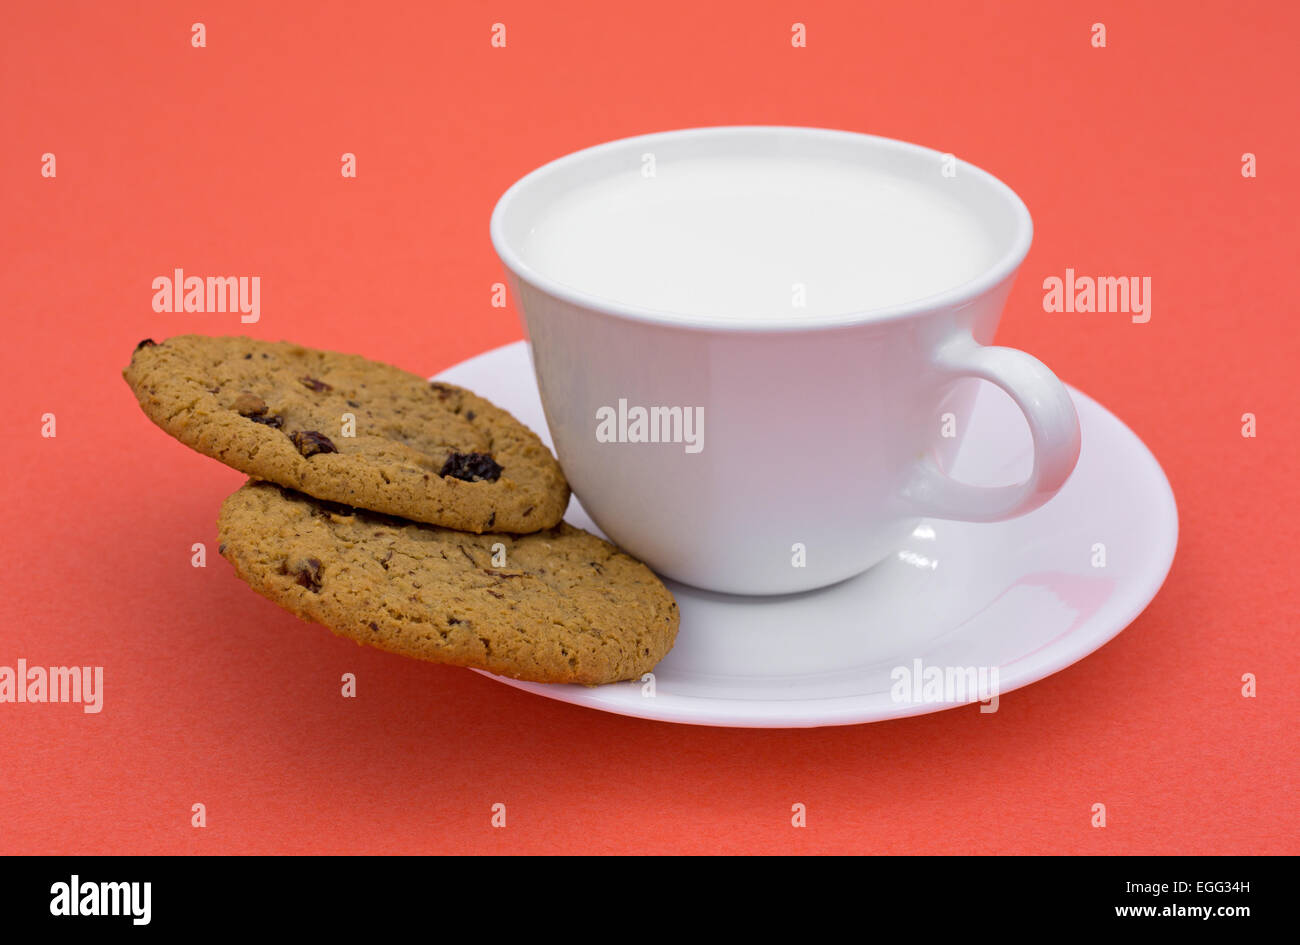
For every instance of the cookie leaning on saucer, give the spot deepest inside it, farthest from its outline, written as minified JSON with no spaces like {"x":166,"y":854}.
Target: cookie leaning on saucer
{"x":430,"y":452}
{"x":564,"y":607}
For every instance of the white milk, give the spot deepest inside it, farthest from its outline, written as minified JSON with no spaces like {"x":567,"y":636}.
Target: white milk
{"x":754,"y":237}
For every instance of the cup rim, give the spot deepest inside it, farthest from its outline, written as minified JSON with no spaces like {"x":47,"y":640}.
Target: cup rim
{"x":1002,"y":269}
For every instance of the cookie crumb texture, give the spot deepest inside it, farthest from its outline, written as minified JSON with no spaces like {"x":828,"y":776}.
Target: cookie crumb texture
{"x":276,"y":411}
{"x":567,"y":607}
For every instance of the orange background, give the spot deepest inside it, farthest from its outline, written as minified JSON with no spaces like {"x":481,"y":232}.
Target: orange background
{"x":225,"y":160}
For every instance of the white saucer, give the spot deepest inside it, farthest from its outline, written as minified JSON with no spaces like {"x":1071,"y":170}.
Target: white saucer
{"x":1023,"y":596}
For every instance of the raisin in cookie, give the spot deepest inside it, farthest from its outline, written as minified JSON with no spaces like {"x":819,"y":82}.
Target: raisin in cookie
{"x":559,"y":605}
{"x":341,"y":428}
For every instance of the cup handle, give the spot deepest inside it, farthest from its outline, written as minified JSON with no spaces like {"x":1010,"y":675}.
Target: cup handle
{"x":1053,"y":424}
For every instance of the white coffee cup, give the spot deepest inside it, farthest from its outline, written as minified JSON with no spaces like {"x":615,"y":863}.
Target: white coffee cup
{"x":803,"y":425}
